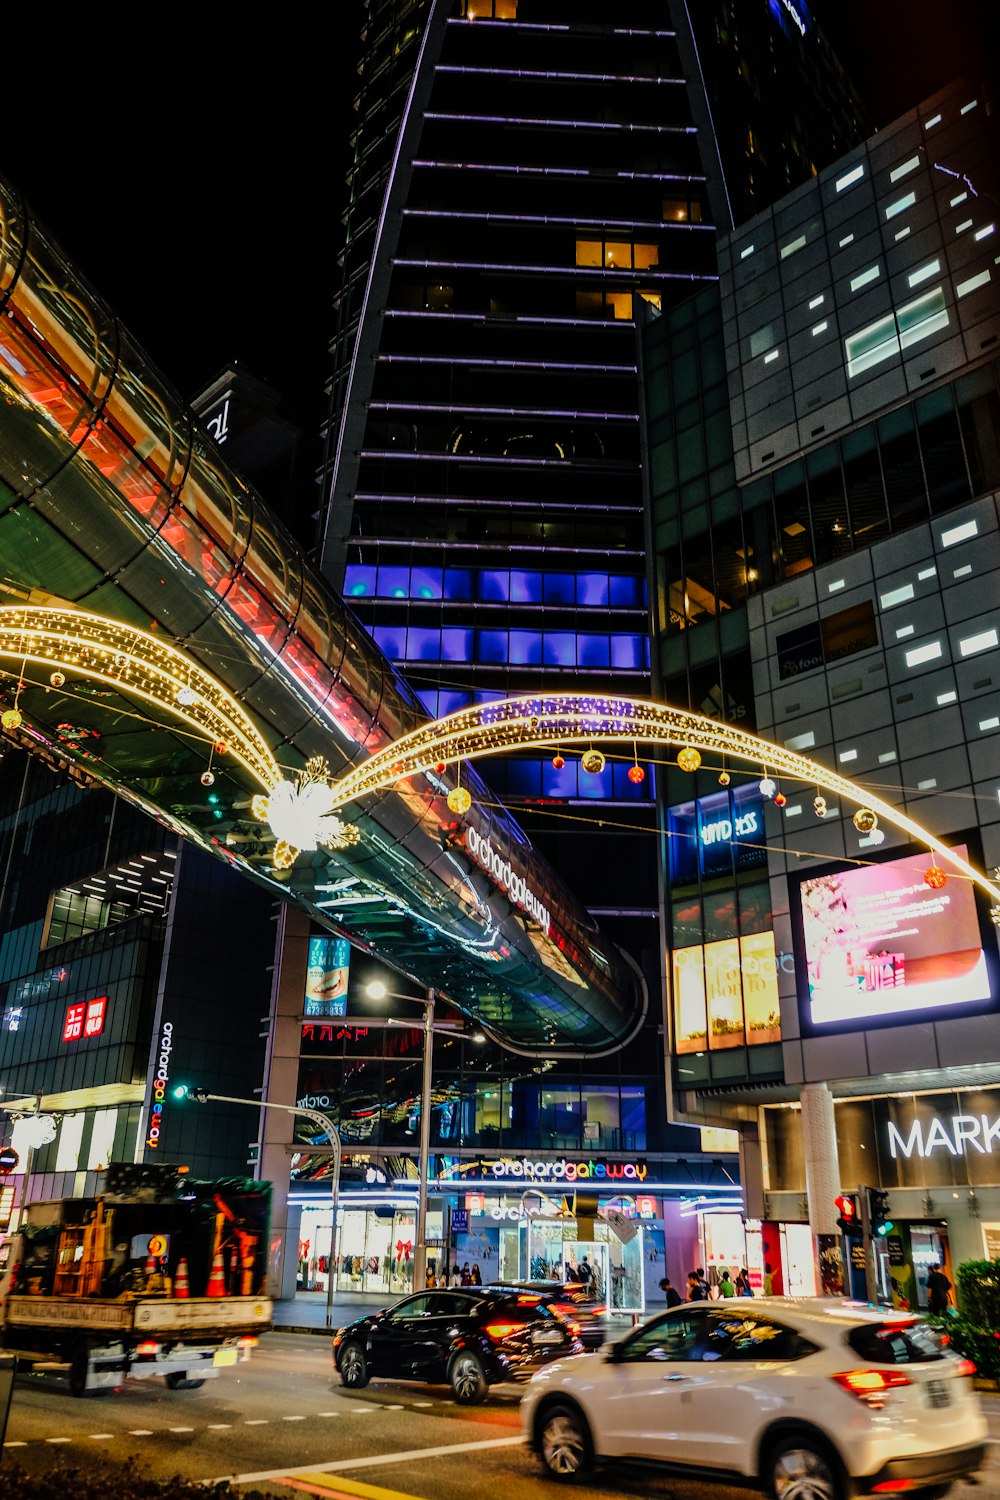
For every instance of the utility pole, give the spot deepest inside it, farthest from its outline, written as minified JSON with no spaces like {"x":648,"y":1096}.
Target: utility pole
{"x":867,"y":1240}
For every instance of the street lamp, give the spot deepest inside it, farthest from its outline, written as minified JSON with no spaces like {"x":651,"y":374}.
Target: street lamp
{"x":201,"y":1096}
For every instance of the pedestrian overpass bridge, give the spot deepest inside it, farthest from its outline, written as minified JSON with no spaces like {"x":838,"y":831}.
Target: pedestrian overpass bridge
{"x":163,"y":635}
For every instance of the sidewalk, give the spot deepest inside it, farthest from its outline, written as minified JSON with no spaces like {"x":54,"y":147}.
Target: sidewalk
{"x":306,"y":1311}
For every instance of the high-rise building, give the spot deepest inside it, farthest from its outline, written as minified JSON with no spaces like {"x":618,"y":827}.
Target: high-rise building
{"x":527,"y":176}
{"x":834,"y":984}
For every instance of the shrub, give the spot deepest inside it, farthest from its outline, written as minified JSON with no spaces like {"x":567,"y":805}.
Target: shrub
{"x":979,"y":1292}
{"x":981,"y":1345}
{"x":107,"y":1481}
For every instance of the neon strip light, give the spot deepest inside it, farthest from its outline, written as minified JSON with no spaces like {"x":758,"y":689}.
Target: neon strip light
{"x":538,"y":122}
{"x":503,"y":364}
{"x":556,"y":74}
{"x":492,"y":218}
{"x":522,"y":461}
{"x":522,"y":413}
{"x":645,"y":274}
{"x":521,"y":171}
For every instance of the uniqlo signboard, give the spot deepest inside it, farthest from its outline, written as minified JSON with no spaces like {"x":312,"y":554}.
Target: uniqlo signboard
{"x":85,"y":1019}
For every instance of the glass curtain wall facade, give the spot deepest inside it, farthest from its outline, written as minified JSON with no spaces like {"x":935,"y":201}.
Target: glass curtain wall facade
{"x":528,"y":178}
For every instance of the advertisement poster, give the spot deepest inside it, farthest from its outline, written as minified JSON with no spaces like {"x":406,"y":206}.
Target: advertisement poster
{"x":726,"y":994}
{"x":879,"y":943}
{"x":327,"y":975}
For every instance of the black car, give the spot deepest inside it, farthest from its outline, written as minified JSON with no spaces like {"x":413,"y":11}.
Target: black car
{"x":470,"y":1338}
{"x":575,"y":1301}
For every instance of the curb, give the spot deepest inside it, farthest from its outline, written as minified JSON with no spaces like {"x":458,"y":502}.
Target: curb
{"x":304,"y":1328}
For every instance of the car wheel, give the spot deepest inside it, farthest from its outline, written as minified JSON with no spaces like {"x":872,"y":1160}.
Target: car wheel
{"x":801,"y":1467}
{"x":177,"y":1380}
{"x":564,"y":1443}
{"x":353,"y":1366}
{"x":467,"y":1378}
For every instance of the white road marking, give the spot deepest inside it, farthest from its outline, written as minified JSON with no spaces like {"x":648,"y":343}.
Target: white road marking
{"x":97,"y":1437}
{"x":293,"y":1419}
{"x":14,"y":1444}
{"x":141,"y":1432}
{"x":219,"y":1426}
{"x":256,"y":1422}
{"x":181,"y":1429}
{"x":328,"y":1414}
{"x":393,"y":1408}
{"x":59,"y":1440}
{"x":375,"y":1461}
{"x":423,"y":1403}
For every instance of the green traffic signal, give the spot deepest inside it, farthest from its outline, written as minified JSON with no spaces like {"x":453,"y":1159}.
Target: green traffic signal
{"x":886,"y":1228}
{"x":181,"y":1091}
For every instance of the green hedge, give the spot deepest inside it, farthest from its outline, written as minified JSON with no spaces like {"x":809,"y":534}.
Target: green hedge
{"x":106,"y":1481}
{"x":975,"y":1331}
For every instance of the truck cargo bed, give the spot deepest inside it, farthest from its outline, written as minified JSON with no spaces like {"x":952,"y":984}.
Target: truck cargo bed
{"x":175,"y":1315}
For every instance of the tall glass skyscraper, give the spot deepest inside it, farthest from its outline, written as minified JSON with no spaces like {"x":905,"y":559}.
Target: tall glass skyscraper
{"x":528,"y":177}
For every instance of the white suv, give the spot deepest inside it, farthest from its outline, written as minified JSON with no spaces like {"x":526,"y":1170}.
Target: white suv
{"x":817,"y":1397}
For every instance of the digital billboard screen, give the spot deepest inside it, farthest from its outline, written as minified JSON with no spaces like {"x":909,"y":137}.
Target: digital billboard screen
{"x":878,"y":945}
{"x":327,"y":976}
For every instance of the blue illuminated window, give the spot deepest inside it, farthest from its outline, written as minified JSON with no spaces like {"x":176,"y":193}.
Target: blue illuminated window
{"x":457,"y":583}
{"x":456,"y":645}
{"x":359,"y":582}
{"x":630,"y":791}
{"x":438,"y":702}
{"x":593,"y":651}
{"x":491,"y":645}
{"x":560,"y":648}
{"x":524,"y":778}
{"x":592,"y":588}
{"x":526,"y":646}
{"x":559,"y":783}
{"x":596,"y":787}
{"x":494,"y":587}
{"x":560,"y":588}
{"x":394,"y":583}
{"x":423,"y":645}
{"x":628,"y":651}
{"x":392,"y":640}
{"x":526,"y":588}
{"x":425,"y":583}
{"x":627,"y":593}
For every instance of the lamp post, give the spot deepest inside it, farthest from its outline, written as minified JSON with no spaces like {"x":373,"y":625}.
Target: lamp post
{"x":201,"y":1096}
{"x":378,"y":991}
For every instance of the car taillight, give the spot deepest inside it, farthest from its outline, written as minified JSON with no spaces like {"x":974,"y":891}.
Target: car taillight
{"x":338,"y":1338}
{"x":500,"y":1331}
{"x":894,"y":1485}
{"x":247,"y":1342}
{"x":565,"y":1309}
{"x":870,"y":1385}
{"x":149,"y":1347}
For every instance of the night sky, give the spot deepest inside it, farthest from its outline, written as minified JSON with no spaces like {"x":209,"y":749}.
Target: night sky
{"x":199,"y":187}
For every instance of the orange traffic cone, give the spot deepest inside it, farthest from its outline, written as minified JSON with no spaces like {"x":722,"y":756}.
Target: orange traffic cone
{"x":150,"y":1270}
{"x":181,"y":1279}
{"x":217,"y":1281}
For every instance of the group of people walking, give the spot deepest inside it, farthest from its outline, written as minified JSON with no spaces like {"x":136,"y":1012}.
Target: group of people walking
{"x":699,"y":1289}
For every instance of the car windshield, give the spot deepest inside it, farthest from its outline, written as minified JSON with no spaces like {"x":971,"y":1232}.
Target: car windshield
{"x":896,"y":1343}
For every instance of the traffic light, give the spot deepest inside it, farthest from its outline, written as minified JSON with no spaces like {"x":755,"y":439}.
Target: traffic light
{"x":190,"y":1091}
{"x":879,"y":1221}
{"x":848,"y":1210}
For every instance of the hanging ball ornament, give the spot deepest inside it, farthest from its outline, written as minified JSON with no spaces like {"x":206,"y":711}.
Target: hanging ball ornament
{"x":440,"y":768}
{"x":185,"y":696}
{"x":592,"y":762}
{"x":724,"y":778}
{"x":636,"y":774}
{"x":935,"y":877}
{"x":11,"y":718}
{"x":767,"y":787}
{"x":780,"y":799}
{"x":558,"y":761}
{"x":688,"y":759}
{"x":876,"y":837}
{"x":819,"y":807}
{"x":220,"y":747}
{"x":57,"y":679}
{"x":865,"y":820}
{"x":459,"y":800}
{"x":208,"y":778}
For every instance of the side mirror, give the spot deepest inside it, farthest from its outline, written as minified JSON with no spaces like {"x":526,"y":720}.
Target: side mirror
{"x":611,"y":1352}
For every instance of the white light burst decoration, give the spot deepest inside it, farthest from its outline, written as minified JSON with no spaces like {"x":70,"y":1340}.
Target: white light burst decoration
{"x":300,"y":815}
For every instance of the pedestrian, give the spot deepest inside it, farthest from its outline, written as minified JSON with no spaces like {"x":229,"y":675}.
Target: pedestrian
{"x":695,"y":1288}
{"x":671,"y":1293}
{"x":768,"y":1279}
{"x":477,"y":1279}
{"x":726,"y":1287}
{"x":938,"y":1287}
{"x":586,"y":1273}
{"x":743,"y":1287}
{"x":466,"y":1275}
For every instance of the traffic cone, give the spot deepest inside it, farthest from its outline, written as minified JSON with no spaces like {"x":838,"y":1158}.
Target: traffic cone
{"x":217,"y":1281}
{"x":150,"y":1268}
{"x":181,"y":1279}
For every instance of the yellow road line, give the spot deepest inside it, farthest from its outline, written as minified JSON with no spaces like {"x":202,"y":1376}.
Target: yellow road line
{"x":331,"y":1483}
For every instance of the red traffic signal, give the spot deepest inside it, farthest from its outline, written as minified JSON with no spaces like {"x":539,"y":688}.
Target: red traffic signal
{"x":845,"y":1207}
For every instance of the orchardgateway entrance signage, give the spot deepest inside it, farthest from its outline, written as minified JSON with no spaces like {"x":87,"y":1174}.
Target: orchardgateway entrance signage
{"x":562,"y":1170}
{"x":507,"y":878}
{"x":978,"y":1131}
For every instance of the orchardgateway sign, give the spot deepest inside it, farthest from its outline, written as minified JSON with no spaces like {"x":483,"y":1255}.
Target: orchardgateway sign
{"x":953,"y":1135}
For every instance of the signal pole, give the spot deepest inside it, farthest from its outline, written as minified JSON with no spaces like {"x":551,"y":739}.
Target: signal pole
{"x":868,"y":1241}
